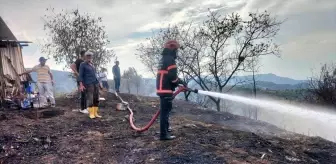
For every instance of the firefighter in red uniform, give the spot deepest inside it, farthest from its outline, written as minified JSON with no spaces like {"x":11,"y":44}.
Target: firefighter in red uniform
{"x":166,"y":82}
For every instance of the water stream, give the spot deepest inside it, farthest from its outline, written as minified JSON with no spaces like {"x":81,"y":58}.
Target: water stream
{"x":308,"y":120}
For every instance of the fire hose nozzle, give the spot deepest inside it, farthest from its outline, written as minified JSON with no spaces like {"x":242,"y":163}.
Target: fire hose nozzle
{"x":192,"y":90}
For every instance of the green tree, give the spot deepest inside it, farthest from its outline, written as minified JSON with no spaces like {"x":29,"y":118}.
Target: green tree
{"x":72,"y":31}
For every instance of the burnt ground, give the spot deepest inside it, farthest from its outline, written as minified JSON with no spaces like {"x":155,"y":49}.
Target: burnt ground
{"x":62,"y":135}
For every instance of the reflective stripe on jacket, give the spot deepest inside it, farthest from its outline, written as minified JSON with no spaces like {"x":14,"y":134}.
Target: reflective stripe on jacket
{"x":167,"y":79}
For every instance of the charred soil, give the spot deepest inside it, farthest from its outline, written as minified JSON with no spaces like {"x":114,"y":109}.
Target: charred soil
{"x":63,"y":135}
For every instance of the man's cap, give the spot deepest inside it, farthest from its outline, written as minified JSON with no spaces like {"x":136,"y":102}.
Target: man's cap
{"x":42,"y":59}
{"x":88,"y":53}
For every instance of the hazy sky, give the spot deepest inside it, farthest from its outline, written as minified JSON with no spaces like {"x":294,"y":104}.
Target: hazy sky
{"x":307,"y":38}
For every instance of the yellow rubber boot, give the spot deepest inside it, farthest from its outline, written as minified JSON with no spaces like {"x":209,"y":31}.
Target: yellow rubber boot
{"x":92,"y":113}
{"x":96,"y":112}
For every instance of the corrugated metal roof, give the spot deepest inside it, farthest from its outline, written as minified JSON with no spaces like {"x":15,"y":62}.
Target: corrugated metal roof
{"x":5,"y":32}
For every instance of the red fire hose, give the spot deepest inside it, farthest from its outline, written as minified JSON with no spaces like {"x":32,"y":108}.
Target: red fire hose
{"x":180,"y":89}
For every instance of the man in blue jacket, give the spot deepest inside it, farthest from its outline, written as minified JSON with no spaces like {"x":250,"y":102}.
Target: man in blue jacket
{"x":116,"y":76}
{"x":90,"y":84}
{"x":166,"y":82}
{"x":75,"y":68}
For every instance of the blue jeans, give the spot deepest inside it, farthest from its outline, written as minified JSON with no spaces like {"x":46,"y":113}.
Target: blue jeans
{"x":105,"y":85}
{"x":117,"y":84}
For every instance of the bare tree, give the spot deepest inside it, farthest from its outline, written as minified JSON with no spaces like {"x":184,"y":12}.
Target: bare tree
{"x":133,"y":79}
{"x":70,"y":32}
{"x":254,"y":68}
{"x":323,"y":86}
{"x":226,"y":45}
{"x":201,"y":100}
{"x":149,"y":53}
{"x":215,"y":51}
{"x":137,"y":82}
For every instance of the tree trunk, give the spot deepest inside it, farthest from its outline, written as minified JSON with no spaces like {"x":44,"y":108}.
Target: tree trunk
{"x":2,"y":82}
{"x":218,"y":105}
{"x":254,"y":85}
{"x":186,"y":96}
{"x":128,"y":87}
{"x":255,"y":95}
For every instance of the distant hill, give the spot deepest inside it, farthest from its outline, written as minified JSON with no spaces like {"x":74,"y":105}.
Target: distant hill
{"x":65,"y":84}
{"x":269,"y":81}
{"x":272,"y":78}
{"x":274,"y":86}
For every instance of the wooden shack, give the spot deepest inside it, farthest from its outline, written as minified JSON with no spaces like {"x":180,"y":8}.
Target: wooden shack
{"x":11,"y":62}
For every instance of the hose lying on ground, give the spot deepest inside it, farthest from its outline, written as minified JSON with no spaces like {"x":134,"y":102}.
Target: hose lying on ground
{"x":131,"y":117}
{"x":131,"y":121}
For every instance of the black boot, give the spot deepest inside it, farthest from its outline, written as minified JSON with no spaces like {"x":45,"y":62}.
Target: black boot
{"x":168,"y":130}
{"x":164,"y":135}
{"x":167,"y":137}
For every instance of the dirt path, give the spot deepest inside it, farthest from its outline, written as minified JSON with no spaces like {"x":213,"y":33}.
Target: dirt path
{"x":203,"y":137}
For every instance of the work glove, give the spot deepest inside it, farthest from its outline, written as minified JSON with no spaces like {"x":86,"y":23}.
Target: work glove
{"x":174,"y":85}
{"x":182,"y":82}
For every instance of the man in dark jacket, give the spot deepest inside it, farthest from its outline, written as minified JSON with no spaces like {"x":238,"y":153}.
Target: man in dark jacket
{"x":75,"y":69}
{"x":116,"y":76}
{"x":166,"y":82}
{"x":89,"y":83}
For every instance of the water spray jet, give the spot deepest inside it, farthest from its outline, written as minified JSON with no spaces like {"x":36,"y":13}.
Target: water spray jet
{"x":275,"y":106}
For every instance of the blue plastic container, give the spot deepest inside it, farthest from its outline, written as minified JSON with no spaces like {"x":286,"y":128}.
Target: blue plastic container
{"x":25,"y":104}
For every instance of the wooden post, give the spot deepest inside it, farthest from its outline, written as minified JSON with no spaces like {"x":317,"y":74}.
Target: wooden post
{"x":2,"y":81}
